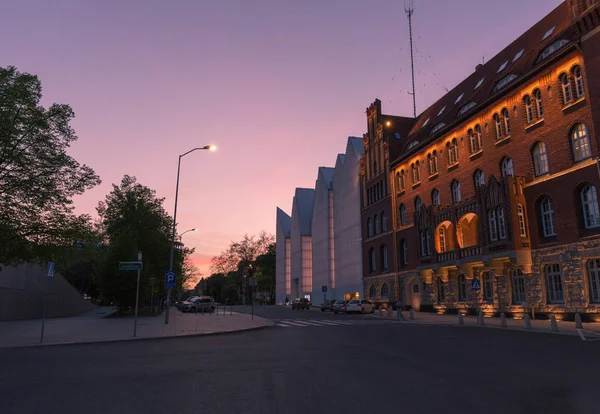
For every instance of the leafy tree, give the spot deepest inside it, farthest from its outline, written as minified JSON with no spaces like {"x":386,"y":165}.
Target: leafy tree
{"x":265,"y":274}
{"x":38,"y":179}
{"x":134,"y":219}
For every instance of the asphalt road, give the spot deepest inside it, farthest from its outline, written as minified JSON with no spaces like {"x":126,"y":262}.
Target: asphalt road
{"x":366,"y":368}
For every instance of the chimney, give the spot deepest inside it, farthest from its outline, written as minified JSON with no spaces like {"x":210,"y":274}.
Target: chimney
{"x":478,"y":67}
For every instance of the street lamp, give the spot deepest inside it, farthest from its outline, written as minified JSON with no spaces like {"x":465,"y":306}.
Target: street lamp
{"x":187,"y":231}
{"x":206,"y":147}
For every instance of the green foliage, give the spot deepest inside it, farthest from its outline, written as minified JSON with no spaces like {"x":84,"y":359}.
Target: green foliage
{"x":265,"y":275}
{"x":38,"y":179}
{"x":133,"y":219}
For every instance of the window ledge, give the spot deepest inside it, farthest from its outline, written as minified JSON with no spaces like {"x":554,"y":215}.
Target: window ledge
{"x":572,"y":104}
{"x":401,"y":192}
{"x":415,"y":185}
{"x":476,"y":153}
{"x":451,"y":166}
{"x":534,"y":124}
{"x":435,"y":174}
{"x":502,"y":140}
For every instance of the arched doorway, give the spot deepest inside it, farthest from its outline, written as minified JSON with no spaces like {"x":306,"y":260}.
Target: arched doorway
{"x":413,"y":294}
{"x":467,"y":231}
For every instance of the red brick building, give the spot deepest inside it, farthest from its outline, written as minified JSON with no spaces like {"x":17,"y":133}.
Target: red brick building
{"x":496,"y":183}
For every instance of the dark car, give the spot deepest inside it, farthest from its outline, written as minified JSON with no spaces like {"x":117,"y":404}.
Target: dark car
{"x":327,"y":305}
{"x":340,"y":306}
{"x":301,"y":303}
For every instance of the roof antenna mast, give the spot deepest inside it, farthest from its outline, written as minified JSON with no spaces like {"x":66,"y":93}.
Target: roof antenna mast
{"x":409,"y":9}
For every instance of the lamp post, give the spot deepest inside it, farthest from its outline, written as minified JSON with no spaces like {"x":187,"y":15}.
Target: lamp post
{"x":206,"y":147}
{"x":187,"y":231}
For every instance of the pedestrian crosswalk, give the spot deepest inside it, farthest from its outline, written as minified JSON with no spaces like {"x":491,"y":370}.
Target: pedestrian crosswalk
{"x":303,"y":323}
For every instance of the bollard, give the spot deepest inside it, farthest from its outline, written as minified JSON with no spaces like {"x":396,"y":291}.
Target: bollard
{"x":578,"y":324}
{"x":553,"y":324}
{"x":411,"y":315}
{"x":460,"y":319}
{"x":231,"y":310}
{"x":502,"y":320}
{"x":480,"y":319}
{"x":527,"y":321}
{"x":380,"y":311}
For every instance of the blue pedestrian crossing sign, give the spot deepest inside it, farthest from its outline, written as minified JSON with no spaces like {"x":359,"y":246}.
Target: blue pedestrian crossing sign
{"x":475,"y":284}
{"x":50,"y":272}
{"x":170,"y":280}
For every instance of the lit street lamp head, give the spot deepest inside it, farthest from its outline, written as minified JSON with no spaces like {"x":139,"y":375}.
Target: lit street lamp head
{"x":210,"y":147}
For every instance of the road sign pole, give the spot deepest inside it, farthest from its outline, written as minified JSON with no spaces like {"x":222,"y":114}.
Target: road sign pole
{"x":252,"y":299}
{"x":137,"y":297}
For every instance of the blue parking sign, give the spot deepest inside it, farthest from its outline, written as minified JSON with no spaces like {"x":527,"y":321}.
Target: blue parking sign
{"x":50,"y":272}
{"x":170,"y":278}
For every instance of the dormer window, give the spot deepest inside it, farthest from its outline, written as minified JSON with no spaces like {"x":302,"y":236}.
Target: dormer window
{"x":502,"y":67}
{"x":466,"y":108}
{"x":518,"y":55}
{"x":548,"y":33}
{"x":551,"y":49}
{"x":459,"y":98}
{"x":437,"y":128}
{"x":425,"y":123}
{"x":412,"y":145}
{"x":479,"y":83}
{"x":441,"y":110}
{"x":505,"y":81}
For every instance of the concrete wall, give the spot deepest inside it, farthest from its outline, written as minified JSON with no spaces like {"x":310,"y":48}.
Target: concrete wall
{"x":22,"y":294}
{"x":320,"y":241}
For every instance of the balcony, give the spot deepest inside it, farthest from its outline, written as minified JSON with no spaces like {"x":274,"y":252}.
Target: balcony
{"x":470,"y":252}
{"x":446,"y":256}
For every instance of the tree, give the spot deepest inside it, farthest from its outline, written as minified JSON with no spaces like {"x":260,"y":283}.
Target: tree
{"x":244,"y":251}
{"x":265,"y":275}
{"x":38,"y":179}
{"x":134,"y":219}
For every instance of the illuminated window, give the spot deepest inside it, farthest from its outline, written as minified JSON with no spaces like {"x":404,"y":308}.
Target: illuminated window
{"x":539,"y":106}
{"x":567,"y":93}
{"x":578,"y":78}
{"x":580,"y":142}
{"x":540,"y":159}
{"x":497,"y":126}
{"x":452,"y":149}
{"x":528,"y":109}
{"x":416,"y":173}
{"x":506,"y":119}
{"x":400,"y":177}
{"x":432,"y":164}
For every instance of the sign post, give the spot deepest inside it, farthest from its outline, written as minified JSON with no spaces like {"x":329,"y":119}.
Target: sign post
{"x":49,"y":275}
{"x":476,"y":287}
{"x":324,"y":290}
{"x":137,"y":295}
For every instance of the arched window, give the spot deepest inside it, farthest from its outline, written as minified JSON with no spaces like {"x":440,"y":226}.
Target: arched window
{"x":416,"y":173}
{"x":384,"y":257}
{"x":403,"y":220}
{"x":501,"y":223}
{"x":385,"y":290}
{"x":478,"y":178}
{"x":442,"y":239}
{"x":401,"y":180}
{"x":372,"y":263}
{"x":567,"y":93}
{"x":377,"y":228}
{"x":441,"y":294}
{"x":578,"y":78}
{"x":539,"y":105}
{"x":528,"y":109}
{"x":580,"y":142}
{"x":547,"y":217}
{"x":475,"y":142}
{"x":404,"y":252}
{"x":540,"y":159}
{"x":418,"y":203}
{"x":522,"y":220}
{"x":506,"y":119}
{"x":435,"y":197}
{"x":589,"y":204}
{"x":498,"y":127}
{"x":452,"y":149}
{"x":506,"y":167}
{"x":369,"y":227}
{"x":455,"y":188}
{"x":372,"y":291}
{"x":383,"y":221}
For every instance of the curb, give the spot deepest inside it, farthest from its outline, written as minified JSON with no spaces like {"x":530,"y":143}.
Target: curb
{"x":152,"y":338}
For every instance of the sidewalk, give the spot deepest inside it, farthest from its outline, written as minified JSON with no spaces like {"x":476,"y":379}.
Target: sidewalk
{"x":590,"y":330}
{"x":95,"y":327}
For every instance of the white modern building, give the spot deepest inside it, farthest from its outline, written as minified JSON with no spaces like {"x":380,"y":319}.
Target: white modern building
{"x":346,"y":222}
{"x":283,"y":259}
{"x":322,"y":237}
{"x":320,"y":245}
{"x":301,"y":244}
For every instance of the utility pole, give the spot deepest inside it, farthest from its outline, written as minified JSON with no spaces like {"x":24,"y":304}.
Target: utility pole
{"x":409,"y":9}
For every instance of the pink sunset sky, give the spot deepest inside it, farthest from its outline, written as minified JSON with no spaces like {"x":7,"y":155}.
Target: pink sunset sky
{"x":277,"y":85}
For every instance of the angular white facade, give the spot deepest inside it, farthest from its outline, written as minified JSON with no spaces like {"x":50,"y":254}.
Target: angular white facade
{"x":282,"y":257}
{"x":323,"y":268}
{"x":301,"y":244}
{"x":346,"y":222}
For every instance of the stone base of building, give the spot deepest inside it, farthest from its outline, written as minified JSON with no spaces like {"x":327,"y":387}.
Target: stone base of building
{"x":541,"y":293}
{"x":374,"y":290}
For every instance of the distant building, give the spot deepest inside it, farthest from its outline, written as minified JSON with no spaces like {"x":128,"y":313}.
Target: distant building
{"x":283,"y":257}
{"x":301,"y":243}
{"x":323,"y":268}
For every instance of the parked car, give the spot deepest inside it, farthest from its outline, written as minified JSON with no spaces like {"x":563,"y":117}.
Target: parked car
{"x":198,"y":304}
{"x":301,"y":303}
{"x":327,"y":305}
{"x":358,"y":305}
{"x":340,"y":306}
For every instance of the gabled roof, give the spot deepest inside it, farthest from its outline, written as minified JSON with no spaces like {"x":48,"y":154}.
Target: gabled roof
{"x":492,"y":79}
{"x":326,"y":173}
{"x":303,"y":206}
{"x":285,"y":221}
{"x":357,"y":145}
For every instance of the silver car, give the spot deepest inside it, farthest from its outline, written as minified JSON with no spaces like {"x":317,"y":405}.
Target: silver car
{"x":198,"y":304}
